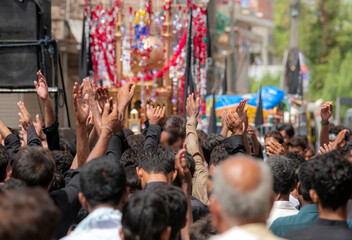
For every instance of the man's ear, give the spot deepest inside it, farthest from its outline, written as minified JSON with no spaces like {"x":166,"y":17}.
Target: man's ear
{"x":166,"y":234}
{"x":174,"y":175}
{"x":139,"y":173}
{"x":215,"y":212}
{"x":314,"y":196}
{"x":299,"y":191}
{"x":83,"y":200}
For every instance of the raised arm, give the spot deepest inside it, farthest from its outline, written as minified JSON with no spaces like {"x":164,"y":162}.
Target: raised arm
{"x":12,"y":143}
{"x":244,"y":120}
{"x":155,"y":116}
{"x":118,"y":143}
{"x":200,"y":175}
{"x":111,"y":124}
{"x":186,"y":179}
{"x":27,"y":124}
{"x":325,"y":113}
{"x":234,"y":144}
{"x":51,"y":129}
{"x":82,"y":111}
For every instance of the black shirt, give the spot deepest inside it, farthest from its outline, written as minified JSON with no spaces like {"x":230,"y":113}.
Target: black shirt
{"x":321,"y":230}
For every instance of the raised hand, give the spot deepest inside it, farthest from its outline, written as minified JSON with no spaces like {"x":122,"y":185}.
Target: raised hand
{"x":181,"y":167}
{"x":111,"y":121}
{"x":38,"y":127}
{"x":326,"y":148}
{"x":192,"y":106}
{"x":155,"y":114}
{"x":125,"y":95}
{"x":275,"y":148}
{"x":326,"y":112}
{"x":102,"y":95}
{"x":42,"y":86}
{"x":233,"y":123}
{"x":81,"y":108}
{"x":241,"y":111}
{"x":25,"y":117}
{"x":340,"y":141}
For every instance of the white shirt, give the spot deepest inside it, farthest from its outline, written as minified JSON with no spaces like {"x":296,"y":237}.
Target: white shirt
{"x":294,"y":201}
{"x":235,"y":233}
{"x":281,"y":209}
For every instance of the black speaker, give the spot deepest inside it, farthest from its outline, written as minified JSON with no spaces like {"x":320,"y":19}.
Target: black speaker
{"x":25,"y":42}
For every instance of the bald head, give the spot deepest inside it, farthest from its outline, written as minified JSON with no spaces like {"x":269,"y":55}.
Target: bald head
{"x":242,"y":173}
{"x":243,"y":188}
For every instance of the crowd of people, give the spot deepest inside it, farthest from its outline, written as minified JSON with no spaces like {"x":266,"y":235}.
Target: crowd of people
{"x":172,"y":181}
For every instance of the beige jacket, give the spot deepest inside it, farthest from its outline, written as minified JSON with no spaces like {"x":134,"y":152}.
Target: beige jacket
{"x":199,"y":181}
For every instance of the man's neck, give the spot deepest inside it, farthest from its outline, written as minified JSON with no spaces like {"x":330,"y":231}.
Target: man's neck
{"x":283,"y":197}
{"x":91,"y":209}
{"x":337,"y":215}
{"x":156,"y":177}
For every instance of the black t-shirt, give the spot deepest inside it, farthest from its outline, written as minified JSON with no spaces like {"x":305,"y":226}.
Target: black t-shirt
{"x":323,"y":229}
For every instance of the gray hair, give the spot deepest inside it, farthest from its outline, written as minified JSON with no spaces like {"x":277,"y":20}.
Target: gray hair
{"x":235,"y":203}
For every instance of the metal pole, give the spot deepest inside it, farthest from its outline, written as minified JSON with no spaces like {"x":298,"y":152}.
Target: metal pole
{"x":294,"y":24}
{"x":233,"y":47}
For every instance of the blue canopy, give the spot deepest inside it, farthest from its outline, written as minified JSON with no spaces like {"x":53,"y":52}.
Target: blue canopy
{"x":271,"y":97}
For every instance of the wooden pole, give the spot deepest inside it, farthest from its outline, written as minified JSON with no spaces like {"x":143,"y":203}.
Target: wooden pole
{"x":167,"y":35}
{"x":118,"y":35}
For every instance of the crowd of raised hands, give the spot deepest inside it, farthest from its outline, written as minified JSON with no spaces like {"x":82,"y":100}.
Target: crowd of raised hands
{"x":111,"y":171}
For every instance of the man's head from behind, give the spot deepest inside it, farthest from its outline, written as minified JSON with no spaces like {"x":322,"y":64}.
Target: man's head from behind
{"x":27,"y":214}
{"x":283,"y":172}
{"x":102,"y":181}
{"x":242,"y":193}
{"x":331,"y":181}
{"x":63,"y":161}
{"x":209,"y":143}
{"x":304,"y":185}
{"x":4,"y":160}
{"x":176,"y":201}
{"x":156,"y":163}
{"x":35,"y":166}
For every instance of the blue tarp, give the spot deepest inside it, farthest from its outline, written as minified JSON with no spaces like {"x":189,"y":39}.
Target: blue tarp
{"x":271,"y":97}
{"x":225,"y":100}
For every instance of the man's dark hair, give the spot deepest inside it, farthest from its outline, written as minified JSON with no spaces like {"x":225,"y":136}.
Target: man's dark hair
{"x":333,"y":129}
{"x":130,"y":158}
{"x":34,"y":165}
{"x":289,"y":130}
{"x":274,"y":134}
{"x":133,"y":182}
{"x":58,"y":182}
{"x":346,"y":149}
{"x":305,"y":180}
{"x":103,"y":181}
{"x":128,"y":132}
{"x":283,"y":173}
{"x":27,"y":214}
{"x":176,"y":201}
{"x":4,"y":160}
{"x":67,"y":146}
{"x":136,"y":141}
{"x":13,"y":184}
{"x":157,"y":159}
{"x":332,"y":179}
{"x":145,"y":216}
{"x":63,"y":160}
{"x":209,"y":143}
{"x":298,"y":141}
{"x":296,"y":159}
{"x":218,"y":155}
{"x":176,"y":127}
{"x":203,"y":229}
{"x":201,"y":135}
